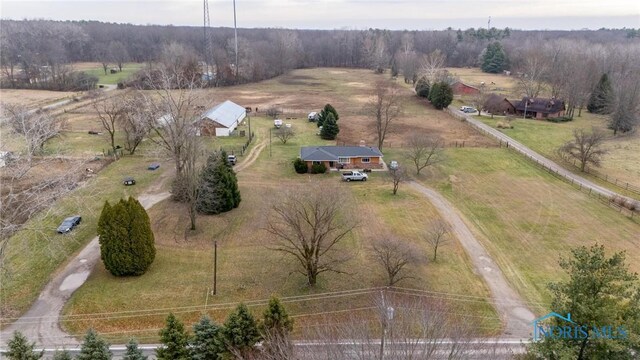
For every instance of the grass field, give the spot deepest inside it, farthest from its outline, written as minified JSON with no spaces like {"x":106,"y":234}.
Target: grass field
{"x":34,"y":253}
{"x":34,"y":98}
{"x":526,"y":218}
{"x":112,"y":79}
{"x":248,"y":270}
{"x":621,"y":162}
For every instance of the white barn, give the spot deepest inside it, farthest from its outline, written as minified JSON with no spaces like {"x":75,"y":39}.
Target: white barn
{"x":222,"y":119}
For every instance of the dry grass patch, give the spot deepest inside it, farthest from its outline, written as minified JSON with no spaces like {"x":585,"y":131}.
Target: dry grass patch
{"x":34,"y":98}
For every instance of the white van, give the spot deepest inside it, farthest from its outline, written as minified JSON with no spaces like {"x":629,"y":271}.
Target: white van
{"x":277,"y":123}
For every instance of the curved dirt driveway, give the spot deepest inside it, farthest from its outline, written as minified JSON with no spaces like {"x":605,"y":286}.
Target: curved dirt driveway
{"x":251,"y":157}
{"x":515,"y":316}
{"x":41,"y":322}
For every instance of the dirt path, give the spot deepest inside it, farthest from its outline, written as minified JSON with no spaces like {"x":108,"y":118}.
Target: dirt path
{"x":41,"y":322}
{"x":251,"y":157}
{"x":515,"y":316}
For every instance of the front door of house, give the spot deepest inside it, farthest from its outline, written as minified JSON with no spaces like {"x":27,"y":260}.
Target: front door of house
{"x":332,"y":164}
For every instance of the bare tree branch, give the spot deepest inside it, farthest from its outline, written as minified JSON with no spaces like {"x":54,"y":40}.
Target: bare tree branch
{"x":425,"y":151}
{"x":437,"y":235}
{"x":385,"y":107}
{"x":396,"y":257}
{"x":586,"y":147}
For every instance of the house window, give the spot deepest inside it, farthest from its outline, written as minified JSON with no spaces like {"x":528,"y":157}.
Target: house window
{"x":366,"y":160}
{"x":316,"y":162}
{"x":344,"y":160}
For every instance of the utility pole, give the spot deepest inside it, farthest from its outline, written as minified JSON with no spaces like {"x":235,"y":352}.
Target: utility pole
{"x":488,"y":22}
{"x":215,"y":266}
{"x":270,"y":142}
{"x":235,"y":33}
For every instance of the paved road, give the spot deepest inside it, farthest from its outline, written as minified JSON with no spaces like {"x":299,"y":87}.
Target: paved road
{"x":41,"y":322}
{"x":515,"y":315}
{"x":539,"y":158}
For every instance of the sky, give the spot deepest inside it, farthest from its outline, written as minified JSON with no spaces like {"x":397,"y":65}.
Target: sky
{"x":342,"y":14}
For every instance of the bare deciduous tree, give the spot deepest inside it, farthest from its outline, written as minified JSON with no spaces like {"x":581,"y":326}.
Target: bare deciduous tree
{"x":110,"y":112}
{"x":586,"y":147}
{"x":284,"y":134}
{"x":397,"y":176}
{"x":534,"y":69}
{"x":309,"y":225}
{"x":431,"y":66}
{"x":625,"y":110}
{"x":34,"y":127}
{"x":385,"y":107}
{"x":133,"y":121}
{"x":425,"y":150}
{"x":437,"y":235}
{"x":396,"y":257}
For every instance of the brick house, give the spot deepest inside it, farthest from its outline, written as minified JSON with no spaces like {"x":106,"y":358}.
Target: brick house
{"x":539,"y":108}
{"x":343,"y":157}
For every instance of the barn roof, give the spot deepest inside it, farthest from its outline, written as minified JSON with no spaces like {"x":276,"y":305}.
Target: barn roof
{"x":332,"y":153}
{"x":540,"y":105}
{"x":225,"y":114}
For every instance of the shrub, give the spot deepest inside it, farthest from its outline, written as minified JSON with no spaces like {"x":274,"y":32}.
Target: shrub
{"x":560,"y":119}
{"x":422,"y":88}
{"x":300,"y":166}
{"x":273,"y":112}
{"x":318,"y":168}
{"x":503,"y":125}
{"x":126,"y":240}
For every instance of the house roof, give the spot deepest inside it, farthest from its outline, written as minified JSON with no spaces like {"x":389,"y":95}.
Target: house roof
{"x":332,"y":153}
{"x":540,"y":105}
{"x":463,"y":84}
{"x":225,"y":114}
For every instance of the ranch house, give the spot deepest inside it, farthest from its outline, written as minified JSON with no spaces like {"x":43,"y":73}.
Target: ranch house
{"x":539,"y":108}
{"x":343,"y":157}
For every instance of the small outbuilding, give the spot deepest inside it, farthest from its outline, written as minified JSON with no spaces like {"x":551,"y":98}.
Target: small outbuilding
{"x":221,"y":120}
{"x":460,"y":88}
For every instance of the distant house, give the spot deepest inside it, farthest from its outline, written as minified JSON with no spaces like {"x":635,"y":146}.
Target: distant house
{"x":499,"y":105}
{"x":539,"y":108}
{"x":343,"y":157}
{"x":221,"y":120}
{"x":460,"y":88}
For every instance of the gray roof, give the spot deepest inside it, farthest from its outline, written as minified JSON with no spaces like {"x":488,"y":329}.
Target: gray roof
{"x":226,"y":113}
{"x":332,"y":153}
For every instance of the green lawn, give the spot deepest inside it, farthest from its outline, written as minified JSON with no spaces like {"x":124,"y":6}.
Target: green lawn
{"x":248,"y":270}
{"x":622,"y":161}
{"x":112,"y":79}
{"x":35,"y":252}
{"x":526,"y":218}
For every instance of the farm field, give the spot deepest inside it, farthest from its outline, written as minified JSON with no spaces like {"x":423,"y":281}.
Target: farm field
{"x":621,"y":162}
{"x":248,"y":270}
{"x":96,"y":69}
{"x":34,"y":98}
{"x":497,"y":83}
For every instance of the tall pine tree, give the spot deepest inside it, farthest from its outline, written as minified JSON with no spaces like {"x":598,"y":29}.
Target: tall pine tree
{"x":20,"y":349}
{"x":441,"y":95}
{"x":175,"y":341}
{"x":126,"y":240}
{"x":494,"y":59}
{"x":275,"y":329}
{"x":602,"y":97}
{"x":328,"y":109}
{"x":330,"y":128}
{"x":133,"y":352}
{"x":219,"y":190}
{"x":240,"y":332}
{"x":205,"y":344}
{"x":94,"y":348}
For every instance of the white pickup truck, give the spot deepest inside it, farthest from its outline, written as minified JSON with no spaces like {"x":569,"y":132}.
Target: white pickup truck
{"x":354,"y":175}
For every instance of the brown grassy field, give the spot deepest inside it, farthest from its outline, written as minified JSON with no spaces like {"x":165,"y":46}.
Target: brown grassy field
{"x":498,"y":83}
{"x":33,"y":98}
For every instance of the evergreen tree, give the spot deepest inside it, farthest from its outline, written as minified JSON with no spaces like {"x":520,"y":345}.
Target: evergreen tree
{"x":441,"y":95}
{"x":602,"y":97}
{"x":240,"y":332}
{"x":394,"y":69}
{"x":275,"y":329}
{"x":494,"y":59}
{"x":94,"y":348}
{"x":126,"y":240}
{"x":205,"y":344}
{"x":175,"y":341}
{"x":328,"y":108}
{"x":600,"y":291}
{"x":62,"y":355}
{"x":133,"y":352}
{"x":422,"y":88}
{"x":330,"y":128}
{"x":20,"y":349}
{"x":219,"y":190}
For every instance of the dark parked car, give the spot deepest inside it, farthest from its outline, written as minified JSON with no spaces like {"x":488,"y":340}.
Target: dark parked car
{"x":128,"y":181}
{"x":154,"y":166}
{"x":68,"y":224}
